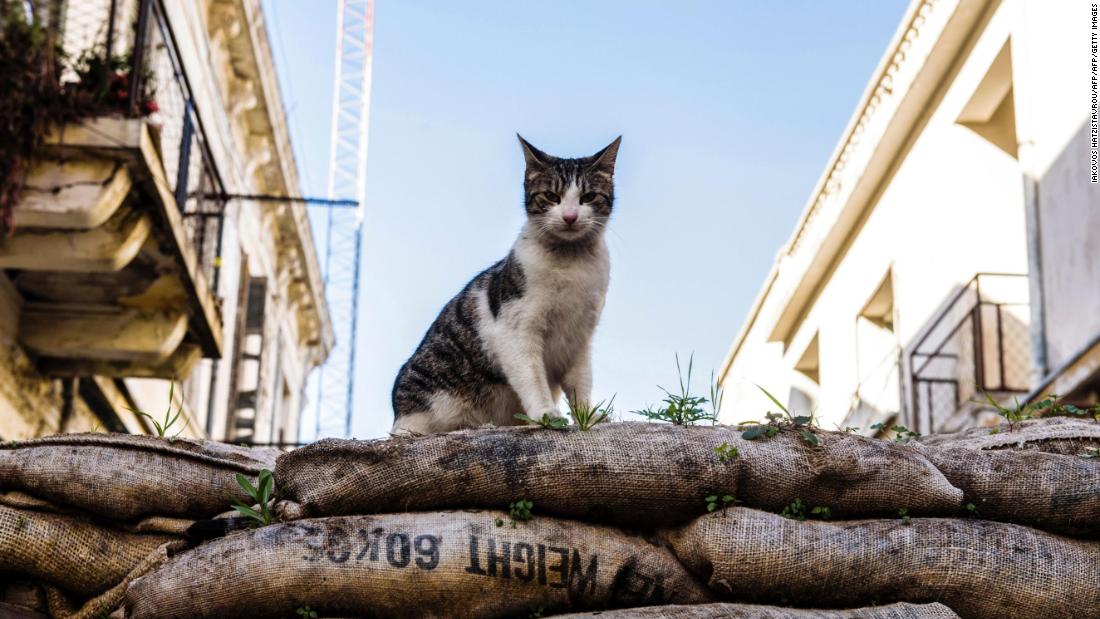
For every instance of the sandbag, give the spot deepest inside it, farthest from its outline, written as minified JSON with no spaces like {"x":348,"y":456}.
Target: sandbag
{"x":441,"y":564}
{"x":900,"y":610}
{"x":1044,"y":490}
{"x":126,"y":476}
{"x":635,"y":474}
{"x":980,"y":569}
{"x":1062,"y":435}
{"x":71,"y":552}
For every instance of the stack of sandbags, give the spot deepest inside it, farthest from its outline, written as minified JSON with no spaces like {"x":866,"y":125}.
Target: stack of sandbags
{"x":632,"y":474}
{"x":84,"y":514}
{"x":1039,"y":473}
{"x":978,"y":568}
{"x":429,"y":564}
{"x":415,"y":527}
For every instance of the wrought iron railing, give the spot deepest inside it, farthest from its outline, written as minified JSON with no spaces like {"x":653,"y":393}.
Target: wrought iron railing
{"x":977,"y":345}
{"x":138,"y":32}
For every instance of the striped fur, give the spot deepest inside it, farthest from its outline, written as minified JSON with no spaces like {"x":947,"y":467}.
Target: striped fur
{"x":520,"y":333}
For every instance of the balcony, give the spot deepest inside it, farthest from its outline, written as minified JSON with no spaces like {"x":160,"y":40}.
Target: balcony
{"x":976,"y":345}
{"x":114,"y":258}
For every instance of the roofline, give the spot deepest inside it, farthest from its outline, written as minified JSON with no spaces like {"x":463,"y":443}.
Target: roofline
{"x":873,"y":84}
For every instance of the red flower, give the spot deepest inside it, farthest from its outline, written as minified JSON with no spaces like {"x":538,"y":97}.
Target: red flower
{"x":150,"y":106}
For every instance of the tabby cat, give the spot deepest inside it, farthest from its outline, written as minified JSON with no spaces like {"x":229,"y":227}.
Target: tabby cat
{"x":520,"y":333}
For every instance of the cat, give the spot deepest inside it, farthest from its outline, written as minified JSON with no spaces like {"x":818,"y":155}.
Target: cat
{"x":520,"y":333}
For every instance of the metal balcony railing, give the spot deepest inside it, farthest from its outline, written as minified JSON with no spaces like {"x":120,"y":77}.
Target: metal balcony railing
{"x":978,"y":344}
{"x":138,"y":32}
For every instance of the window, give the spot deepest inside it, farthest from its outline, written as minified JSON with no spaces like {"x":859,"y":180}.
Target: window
{"x":991,"y":112}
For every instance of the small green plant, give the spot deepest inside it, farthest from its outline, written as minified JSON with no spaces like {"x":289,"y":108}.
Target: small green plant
{"x":971,"y":510}
{"x":536,"y":612}
{"x":848,"y":429}
{"x":902,"y":434}
{"x":1091,"y":452}
{"x":714,"y":501}
{"x":798,"y":510}
{"x":305,"y":612}
{"x":499,"y":522}
{"x":1020,"y":412}
{"x":994,"y":430}
{"x":260,"y":494}
{"x":520,"y":511}
{"x":756,"y":430}
{"x":727,"y":452}
{"x":795,"y":511}
{"x":587,"y":416}
{"x":903,"y":513}
{"x":804,"y":424}
{"x":683,"y":408}
{"x":169,"y":418}
{"x":550,"y":422}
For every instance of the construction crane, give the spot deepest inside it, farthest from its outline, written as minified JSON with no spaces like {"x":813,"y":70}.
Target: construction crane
{"x":335,"y":381}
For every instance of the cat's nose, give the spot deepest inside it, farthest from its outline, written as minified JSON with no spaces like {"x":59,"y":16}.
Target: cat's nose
{"x":569,"y":217}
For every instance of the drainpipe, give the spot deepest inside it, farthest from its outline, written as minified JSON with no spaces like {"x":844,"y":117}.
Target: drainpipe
{"x":1026,"y":155}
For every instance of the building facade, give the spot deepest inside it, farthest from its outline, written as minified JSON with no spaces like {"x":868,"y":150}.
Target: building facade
{"x":945,"y":254}
{"x":136,"y":269}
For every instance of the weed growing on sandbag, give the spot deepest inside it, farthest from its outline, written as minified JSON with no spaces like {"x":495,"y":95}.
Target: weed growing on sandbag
{"x":1091,"y":452}
{"x":714,"y":501}
{"x":1050,"y":406}
{"x":903,"y":513}
{"x":305,"y":612}
{"x":971,"y":510}
{"x":685,"y":409}
{"x":261,"y":494}
{"x":727,"y":452}
{"x":902,"y":434}
{"x":548,"y":422}
{"x":804,"y":424}
{"x":797,"y":511}
{"x":169,"y":418}
{"x":519,"y":511}
{"x":586,"y":416}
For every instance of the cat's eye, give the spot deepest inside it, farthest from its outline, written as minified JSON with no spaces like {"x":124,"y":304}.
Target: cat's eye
{"x":550,"y":197}
{"x":589,"y":197}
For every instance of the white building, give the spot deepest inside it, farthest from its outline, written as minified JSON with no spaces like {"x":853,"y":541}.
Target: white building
{"x":131,"y":265}
{"x":949,"y":248}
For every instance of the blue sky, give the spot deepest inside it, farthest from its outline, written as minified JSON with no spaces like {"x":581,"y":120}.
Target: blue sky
{"x":728,"y":112}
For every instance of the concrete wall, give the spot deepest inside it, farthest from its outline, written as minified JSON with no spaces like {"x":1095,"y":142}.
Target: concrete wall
{"x":1053,"y":73}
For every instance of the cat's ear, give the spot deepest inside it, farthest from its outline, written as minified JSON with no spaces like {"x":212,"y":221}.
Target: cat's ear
{"x":605,"y":159}
{"x":534,"y":157}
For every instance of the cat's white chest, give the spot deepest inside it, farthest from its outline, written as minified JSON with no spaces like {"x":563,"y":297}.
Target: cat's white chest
{"x":565,"y":300}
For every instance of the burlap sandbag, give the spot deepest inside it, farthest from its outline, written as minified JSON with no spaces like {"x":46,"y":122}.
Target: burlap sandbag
{"x":900,"y":610}
{"x":71,"y":552}
{"x":1062,"y":435}
{"x":980,"y":569}
{"x":636,"y":474}
{"x":440,"y":564}
{"x":125,"y":476}
{"x":1044,"y":490}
